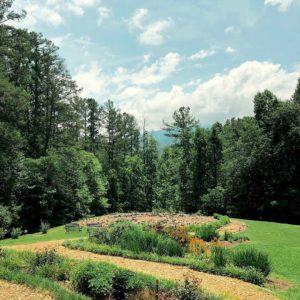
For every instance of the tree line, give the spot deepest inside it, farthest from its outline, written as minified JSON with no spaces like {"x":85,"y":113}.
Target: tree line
{"x":63,"y":157}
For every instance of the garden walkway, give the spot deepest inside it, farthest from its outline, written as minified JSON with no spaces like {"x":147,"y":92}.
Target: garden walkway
{"x":230,"y":287}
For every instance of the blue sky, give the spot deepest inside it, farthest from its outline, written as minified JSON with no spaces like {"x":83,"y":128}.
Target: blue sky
{"x":151,"y":57}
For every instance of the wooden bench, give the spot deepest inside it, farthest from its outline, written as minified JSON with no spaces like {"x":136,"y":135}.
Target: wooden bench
{"x":73,"y":227}
{"x":92,"y":228}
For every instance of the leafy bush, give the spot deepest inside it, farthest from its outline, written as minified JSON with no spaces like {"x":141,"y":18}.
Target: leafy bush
{"x":178,"y":233}
{"x":16,"y":232}
{"x":190,"y":290}
{"x":95,"y":280}
{"x":44,"y":227}
{"x":207,"y":232}
{"x":5,"y":217}
{"x":197,"y":246}
{"x":138,"y":239}
{"x":50,"y":265}
{"x":234,"y":237}
{"x":250,"y":257}
{"x":2,"y":233}
{"x":223,"y":220}
{"x":219,"y":256}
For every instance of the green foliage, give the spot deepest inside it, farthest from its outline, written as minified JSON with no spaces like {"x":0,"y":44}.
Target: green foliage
{"x":206,"y":232}
{"x":189,"y":291}
{"x":16,"y":232}
{"x":138,"y":239}
{"x":45,"y":226}
{"x":50,"y":265}
{"x":234,"y":237}
{"x":249,"y":274}
{"x":93,"y":279}
{"x":219,"y":256}
{"x":250,"y":257}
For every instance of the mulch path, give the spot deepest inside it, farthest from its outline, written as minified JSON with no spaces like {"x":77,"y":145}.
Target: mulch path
{"x":12,"y":291}
{"x":230,"y":287}
{"x":151,"y":218}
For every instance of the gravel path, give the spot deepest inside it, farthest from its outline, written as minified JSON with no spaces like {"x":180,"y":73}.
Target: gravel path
{"x":230,"y":287}
{"x":12,"y":291}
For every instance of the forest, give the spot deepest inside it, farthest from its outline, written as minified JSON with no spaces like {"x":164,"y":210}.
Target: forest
{"x":63,"y":157}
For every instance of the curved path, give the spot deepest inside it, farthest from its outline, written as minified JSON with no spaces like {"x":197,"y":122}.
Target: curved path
{"x":12,"y":291}
{"x":229,"y":287}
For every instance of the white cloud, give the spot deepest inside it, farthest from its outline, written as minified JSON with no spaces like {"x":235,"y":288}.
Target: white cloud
{"x":202,"y":54}
{"x":92,"y":80}
{"x":229,"y":29}
{"x":230,"y":50}
{"x":149,"y":75}
{"x":223,"y":96}
{"x":103,"y":13}
{"x":50,"y":11}
{"x":282,"y":5}
{"x":136,"y":21}
{"x":152,"y":33}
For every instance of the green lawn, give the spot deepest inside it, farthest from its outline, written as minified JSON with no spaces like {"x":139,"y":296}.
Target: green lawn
{"x":57,"y":233}
{"x":282,"y":242}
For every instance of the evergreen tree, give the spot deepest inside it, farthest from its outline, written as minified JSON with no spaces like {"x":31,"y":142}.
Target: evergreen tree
{"x":181,"y":129}
{"x":296,"y":95}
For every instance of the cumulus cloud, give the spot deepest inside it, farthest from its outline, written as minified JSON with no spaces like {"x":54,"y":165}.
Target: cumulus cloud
{"x":282,"y":5}
{"x":202,"y":54}
{"x":152,"y":33}
{"x":137,"y":19}
{"x":223,"y":96}
{"x":50,"y":11}
{"x":92,"y":80}
{"x":149,"y":75}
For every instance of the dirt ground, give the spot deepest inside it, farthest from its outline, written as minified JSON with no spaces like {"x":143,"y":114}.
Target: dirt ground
{"x":234,"y":226}
{"x":229,"y":287}
{"x":12,"y":291}
{"x":163,"y":218}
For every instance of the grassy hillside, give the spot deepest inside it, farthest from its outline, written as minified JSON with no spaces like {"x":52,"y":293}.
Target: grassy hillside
{"x":282,"y":242}
{"x":56,"y":233}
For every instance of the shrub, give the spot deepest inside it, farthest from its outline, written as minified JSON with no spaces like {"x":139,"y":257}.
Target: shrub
{"x":122,"y":284}
{"x":234,"y":237}
{"x":50,"y":265}
{"x":95,"y":280}
{"x":219,"y":257}
{"x":250,"y":257}
{"x":197,"y":246}
{"x":207,"y":232}
{"x":2,"y":233}
{"x":178,"y":233}
{"x":16,"y":232}
{"x":44,"y":227}
{"x":190,"y":290}
{"x":5,"y":217}
{"x":138,"y":239}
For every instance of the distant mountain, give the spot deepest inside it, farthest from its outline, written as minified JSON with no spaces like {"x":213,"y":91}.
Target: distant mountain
{"x":162,"y":140}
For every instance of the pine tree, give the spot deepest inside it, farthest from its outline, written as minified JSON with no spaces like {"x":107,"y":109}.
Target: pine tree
{"x":181,"y":129}
{"x":296,"y":95}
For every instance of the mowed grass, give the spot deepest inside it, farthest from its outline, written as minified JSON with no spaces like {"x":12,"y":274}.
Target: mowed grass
{"x":282,"y":243}
{"x":56,"y":233}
